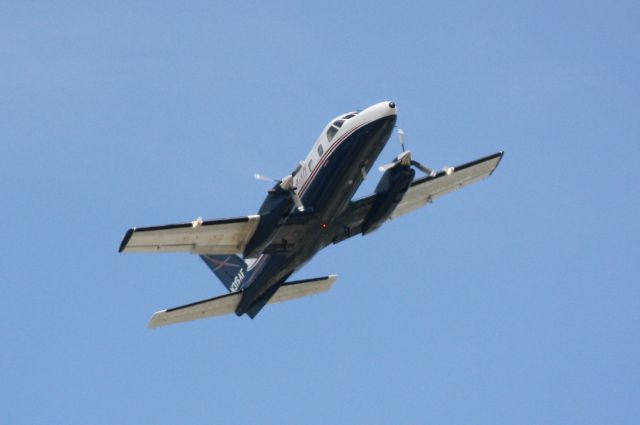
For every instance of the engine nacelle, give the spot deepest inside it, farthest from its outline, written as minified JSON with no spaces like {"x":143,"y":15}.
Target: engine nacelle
{"x":277,"y":204}
{"x":389,"y":192}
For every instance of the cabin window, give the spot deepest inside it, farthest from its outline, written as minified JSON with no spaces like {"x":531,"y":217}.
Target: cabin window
{"x":320,"y":150}
{"x":331,"y":132}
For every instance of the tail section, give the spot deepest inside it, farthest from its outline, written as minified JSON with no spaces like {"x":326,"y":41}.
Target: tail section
{"x":230,"y":269}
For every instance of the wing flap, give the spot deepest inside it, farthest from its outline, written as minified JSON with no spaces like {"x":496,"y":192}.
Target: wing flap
{"x":425,"y":190}
{"x":227,"y":236}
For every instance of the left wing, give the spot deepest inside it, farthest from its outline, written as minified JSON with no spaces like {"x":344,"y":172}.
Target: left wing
{"x":227,"y":236}
{"x":421,"y":192}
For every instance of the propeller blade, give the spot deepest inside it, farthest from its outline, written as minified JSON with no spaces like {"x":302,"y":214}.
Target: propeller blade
{"x":297,"y":200}
{"x":401,"y":136}
{"x":423,"y":168}
{"x":265,"y":178}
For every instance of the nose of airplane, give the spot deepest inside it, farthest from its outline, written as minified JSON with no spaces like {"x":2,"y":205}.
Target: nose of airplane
{"x":379,"y":110}
{"x":386,"y":108}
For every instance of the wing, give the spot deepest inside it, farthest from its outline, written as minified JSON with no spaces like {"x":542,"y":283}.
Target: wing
{"x":425,"y":190}
{"x":228,"y":303}
{"x":227,"y":236}
{"x":421,"y":192}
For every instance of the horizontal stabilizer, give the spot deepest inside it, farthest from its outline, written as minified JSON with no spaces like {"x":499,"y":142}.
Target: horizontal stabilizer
{"x":212,"y":307}
{"x":301,"y":288}
{"x":228,"y":236}
{"x":226,"y":304}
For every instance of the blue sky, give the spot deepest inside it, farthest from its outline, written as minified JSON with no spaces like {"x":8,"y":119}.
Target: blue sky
{"x":512,"y":301}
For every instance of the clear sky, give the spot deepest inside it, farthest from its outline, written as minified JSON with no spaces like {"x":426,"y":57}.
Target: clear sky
{"x":515,"y":300}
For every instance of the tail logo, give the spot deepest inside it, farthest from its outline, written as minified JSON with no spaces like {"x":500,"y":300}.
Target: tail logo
{"x":221,"y":264}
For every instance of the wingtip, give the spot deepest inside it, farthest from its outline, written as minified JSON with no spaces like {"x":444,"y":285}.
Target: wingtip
{"x":126,"y":238}
{"x":499,"y":155}
{"x":156,"y":321}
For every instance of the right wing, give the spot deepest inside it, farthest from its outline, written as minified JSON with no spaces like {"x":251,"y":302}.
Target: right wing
{"x":421,"y":192}
{"x":228,"y":303}
{"x":426,"y":189}
{"x":227,"y":236}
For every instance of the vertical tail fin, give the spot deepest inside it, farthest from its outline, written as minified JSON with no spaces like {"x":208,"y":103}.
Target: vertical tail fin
{"x":230,"y":269}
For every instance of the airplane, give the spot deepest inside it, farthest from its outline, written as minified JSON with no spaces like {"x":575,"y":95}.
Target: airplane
{"x":306,"y":211}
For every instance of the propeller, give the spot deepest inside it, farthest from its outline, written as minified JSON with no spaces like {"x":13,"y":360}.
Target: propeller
{"x":286,"y":184}
{"x":404,"y":158}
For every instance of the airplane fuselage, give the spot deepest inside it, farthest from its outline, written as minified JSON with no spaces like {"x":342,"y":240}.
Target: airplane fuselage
{"x":325,"y":181}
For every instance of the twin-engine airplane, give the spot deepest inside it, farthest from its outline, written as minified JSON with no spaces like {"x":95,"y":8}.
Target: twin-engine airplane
{"x":304,"y":212}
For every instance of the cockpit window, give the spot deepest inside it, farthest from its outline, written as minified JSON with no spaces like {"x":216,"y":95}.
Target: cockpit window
{"x":320,"y":150}
{"x":337,"y":124}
